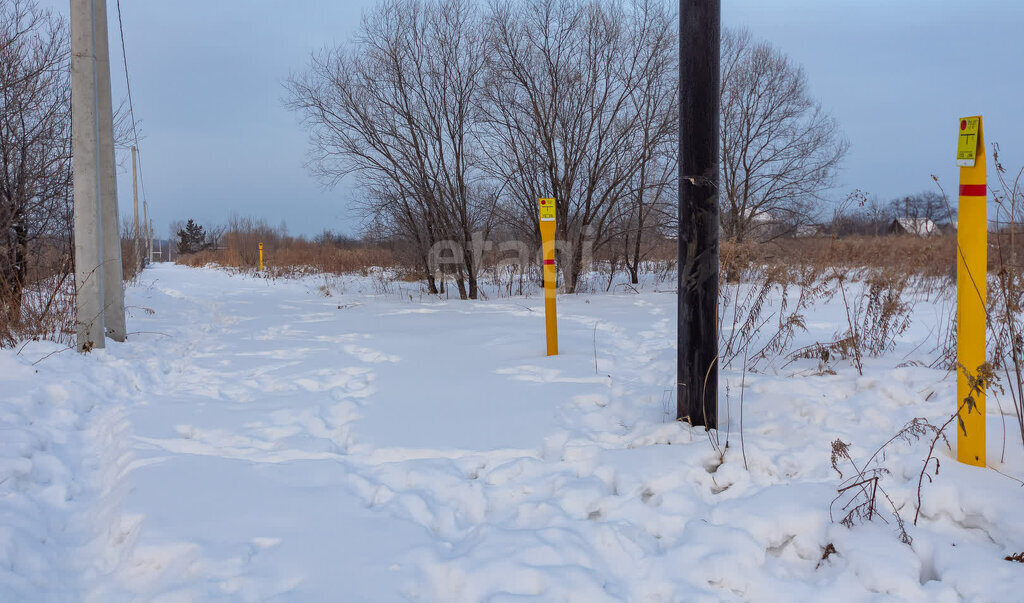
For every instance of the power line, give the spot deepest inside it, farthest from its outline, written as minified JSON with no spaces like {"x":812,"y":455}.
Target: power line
{"x":131,"y":105}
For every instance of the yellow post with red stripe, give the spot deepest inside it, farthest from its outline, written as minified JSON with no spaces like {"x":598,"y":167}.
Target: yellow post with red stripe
{"x":971,"y":273}
{"x":547,"y":238}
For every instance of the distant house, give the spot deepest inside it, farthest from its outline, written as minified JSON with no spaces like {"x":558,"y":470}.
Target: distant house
{"x":921,"y":227}
{"x":804,"y":231}
{"x":757,"y":226}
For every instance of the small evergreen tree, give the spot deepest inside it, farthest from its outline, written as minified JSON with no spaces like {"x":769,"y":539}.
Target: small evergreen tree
{"x":192,"y":238}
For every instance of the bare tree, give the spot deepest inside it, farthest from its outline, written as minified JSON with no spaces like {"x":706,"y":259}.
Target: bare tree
{"x":35,"y":162}
{"x":780,"y":149}
{"x":860,"y":214}
{"x":655,"y":191}
{"x":396,"y":108}
{"x":924,"y":205}
{"x":398,"y":214}
{"x":563,"y":114}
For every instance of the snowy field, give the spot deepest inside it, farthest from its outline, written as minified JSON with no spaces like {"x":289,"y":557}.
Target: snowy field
{"x":261,"y":440}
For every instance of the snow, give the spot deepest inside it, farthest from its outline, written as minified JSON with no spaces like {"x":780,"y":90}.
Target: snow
{"x":257,"y":440}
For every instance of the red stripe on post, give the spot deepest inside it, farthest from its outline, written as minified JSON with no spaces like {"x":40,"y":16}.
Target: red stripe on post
{"x":549,"y":262}
{"x":973,"y":190}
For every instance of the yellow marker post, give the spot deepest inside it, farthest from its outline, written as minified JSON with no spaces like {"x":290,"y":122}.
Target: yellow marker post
{"x":261,"y":257}
{"x":547,"y":238}
{"x":971,"y":272}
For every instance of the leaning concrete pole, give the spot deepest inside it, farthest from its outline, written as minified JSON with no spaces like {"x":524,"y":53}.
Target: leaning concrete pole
{"x":89,"y":325}
{"x":136,"y":233}
{"x":113,"y":279}
{"x":145,"y":232}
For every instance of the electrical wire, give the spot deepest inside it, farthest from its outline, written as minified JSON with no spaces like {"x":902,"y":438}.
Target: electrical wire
{"x":131,"y":105}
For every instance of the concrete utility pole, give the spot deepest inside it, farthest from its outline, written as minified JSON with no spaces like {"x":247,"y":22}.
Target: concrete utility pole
{"x":699,"y":76}
{"x":89,"y":323}
{"x":147,"y":241}
{"x":136,"y":233}
{"x":113,"y":279}
{"x":98,"y":278}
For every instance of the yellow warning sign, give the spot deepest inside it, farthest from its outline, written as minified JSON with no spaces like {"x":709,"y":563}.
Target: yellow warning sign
{"x":547,"y":210}
{"x":967,"y":142}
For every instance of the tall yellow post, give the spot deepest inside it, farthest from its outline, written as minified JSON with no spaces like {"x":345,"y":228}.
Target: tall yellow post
{"x":547,"y":238}
{"x":261,"y":257}
{"x":971,"y":273}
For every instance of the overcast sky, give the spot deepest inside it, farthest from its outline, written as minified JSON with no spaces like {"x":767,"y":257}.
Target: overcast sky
{"x":207,"y":85}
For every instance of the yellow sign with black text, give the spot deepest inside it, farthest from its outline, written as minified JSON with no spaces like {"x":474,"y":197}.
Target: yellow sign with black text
{"x":967,"y":142}
{"x":547,"y":210}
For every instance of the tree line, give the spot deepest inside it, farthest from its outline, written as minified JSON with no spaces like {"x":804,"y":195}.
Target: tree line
{"x":869,"y":216}
{"x":454,"y":118}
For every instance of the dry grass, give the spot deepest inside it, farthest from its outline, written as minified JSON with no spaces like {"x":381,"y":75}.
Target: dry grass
{"x":44,"y":309}
{"x":899,"y":255}
{"x":768,"y":290}
{"x":237,"y":246}
{"x":284,"y":255}
{"x":129,"y":259}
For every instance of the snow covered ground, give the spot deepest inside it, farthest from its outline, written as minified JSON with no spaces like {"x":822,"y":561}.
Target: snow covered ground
{"x":259,"y":440}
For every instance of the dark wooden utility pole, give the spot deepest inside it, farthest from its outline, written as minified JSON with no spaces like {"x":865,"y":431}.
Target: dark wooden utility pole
{"x":697,"y":354}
